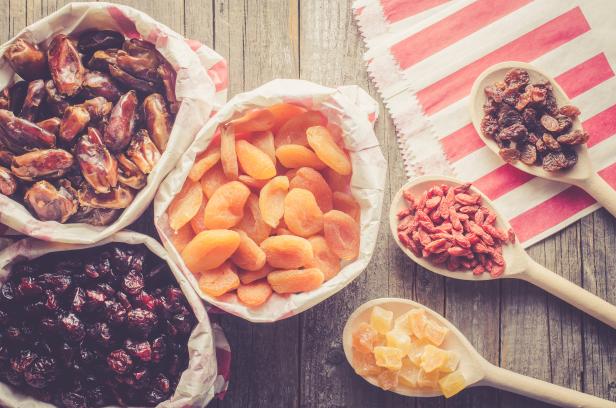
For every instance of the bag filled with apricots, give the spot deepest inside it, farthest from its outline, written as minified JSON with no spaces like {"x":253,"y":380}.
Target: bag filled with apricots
{"x":276,"y":205}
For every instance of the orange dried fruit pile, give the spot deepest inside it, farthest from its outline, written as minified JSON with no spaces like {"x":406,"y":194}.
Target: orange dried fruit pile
{"x":267,"y":207}
{"x":407,"y":351}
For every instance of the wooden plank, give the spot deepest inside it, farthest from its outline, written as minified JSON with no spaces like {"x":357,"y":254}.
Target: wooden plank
{"x":598,"y":241}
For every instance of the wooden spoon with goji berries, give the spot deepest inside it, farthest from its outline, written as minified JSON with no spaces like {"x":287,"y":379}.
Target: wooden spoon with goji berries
{"x":523,"y":115}
{"x":451,"y":228}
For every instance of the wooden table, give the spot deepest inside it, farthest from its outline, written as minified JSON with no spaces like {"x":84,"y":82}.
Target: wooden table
{"x":299,"y":361}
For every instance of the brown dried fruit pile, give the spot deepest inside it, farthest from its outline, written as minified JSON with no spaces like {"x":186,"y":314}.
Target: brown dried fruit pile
{"x":450,"y":227}
{"x":80,"y":133}
{"x":91,"y":328}
{"x":527,"y":124}
{"x":267,"y":207}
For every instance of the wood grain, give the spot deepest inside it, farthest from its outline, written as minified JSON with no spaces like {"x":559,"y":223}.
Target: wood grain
{"x":299,"y":362}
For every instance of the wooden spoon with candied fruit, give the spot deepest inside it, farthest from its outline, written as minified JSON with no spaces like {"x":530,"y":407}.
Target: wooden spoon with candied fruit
{"x":451,"y":228}
{"x":409,"y":349}
{"x":521,"y":113}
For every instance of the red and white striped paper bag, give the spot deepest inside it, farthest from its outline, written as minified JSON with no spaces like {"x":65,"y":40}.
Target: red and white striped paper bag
{"x":424,"y":56}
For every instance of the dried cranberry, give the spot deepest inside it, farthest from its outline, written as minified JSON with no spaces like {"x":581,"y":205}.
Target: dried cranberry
{"x":73,"y":400}
{"x":132,"y":283}
{"x":161,"y":382}
{"x":78,"y":300}
{"x":72,"y":328}
{"x":58,"y":283}
{"x":119,"y":361}
{"x":182,"y":323}
{"x":115,"y":313}
{"x":123,"y":299}
{"x":7,"y":294}
{"x":22,"y":360}
{"x":106,"y":289}
{"x":144,"y":300}
{"x":4,"y":318}
{"x":141,"y":322}
{"x":127,"y":259}
{"x":41,"y":372}
{"x":155,"y":396}
{"x":140,"y":350}
{"x":517,"y":78}
{"x":98,"y":268}
{"x":100,"y":334}
{"x":95,"y":299}
{"x":14,"y":378}
{"x":159,"y":349}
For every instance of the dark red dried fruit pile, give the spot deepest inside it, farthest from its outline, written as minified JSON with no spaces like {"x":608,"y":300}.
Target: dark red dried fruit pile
{"x":527,"y":124}
{"x":106,"y":326}
{"x":449,"y":226}
{"x":90,"y":120}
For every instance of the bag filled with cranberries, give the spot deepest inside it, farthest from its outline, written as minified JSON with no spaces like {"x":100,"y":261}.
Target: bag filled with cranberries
{"x":276,"y":205}
{"x":97,"y":103}
{"x":109,"y":324}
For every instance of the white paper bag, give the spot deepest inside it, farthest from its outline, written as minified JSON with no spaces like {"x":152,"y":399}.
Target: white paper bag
{"x":200,"y":86}
{"x":354,"y":111}
{"x":196,"y":387}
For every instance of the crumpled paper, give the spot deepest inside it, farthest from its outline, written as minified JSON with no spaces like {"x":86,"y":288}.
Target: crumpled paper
{"x":354,"y":111}
{"x":197,"y":384}
{"x":201,"y":87}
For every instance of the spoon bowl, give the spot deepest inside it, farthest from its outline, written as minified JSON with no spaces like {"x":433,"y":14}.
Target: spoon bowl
{"x":518,"y":263}
{"x":476,"y":370}
{"x":582,"y":169}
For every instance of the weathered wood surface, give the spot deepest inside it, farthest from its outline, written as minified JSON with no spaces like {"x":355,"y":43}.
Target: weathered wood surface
{"x":299,"y":361}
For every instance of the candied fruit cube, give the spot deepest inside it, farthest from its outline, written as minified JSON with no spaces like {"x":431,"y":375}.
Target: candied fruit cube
{"x":433,"y":358}
{"x":400,"y":340}
{"x":364,"y":364}
{"x":435,"y":333}
{"x":427,"y":380}
{"x":408,"y":374}
{"x":403,"y":323}
{"x":417,"y":350}
{"x":452,"y":384}
{"x":381,"y":319}
{"x":453,"y":359}
{"x":417,"y":321}
{"x":364,"y":337}
{"x":388,"y":357}
{"x":387,"y":379}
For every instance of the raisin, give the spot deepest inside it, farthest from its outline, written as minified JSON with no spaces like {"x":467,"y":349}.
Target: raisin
{"x":554,"y":161}
{"x":493,"y":93}
{"x":564,"y":123}
{"x":41,"y":372}
{"x":529,"y":116}
{"x":489,"y":126}
{"x":550,"y":123}
{"x":508,"y":116}
{"x":574,"y":138}
{"x":514,"y":132}
{"x":517,"y":78}
{"x":7,"y":294}
{"x":550,"y":142}
{"x":490,"y":107}
{"x":569,"y":110}
{"x":528,"y":153}
{"x":509,"y":154}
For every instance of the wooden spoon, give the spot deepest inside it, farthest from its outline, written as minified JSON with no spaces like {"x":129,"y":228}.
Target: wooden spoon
{"x":519,"y":263}
{"x":581,"y":174}
{"x":476,"y":370}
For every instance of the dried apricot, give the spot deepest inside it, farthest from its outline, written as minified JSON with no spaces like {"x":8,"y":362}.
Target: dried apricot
{"x":252,"y":223}
{"x":294,"y":130}
{"x":346,"y":203}
{"x":185,"y":204}
{"x":323,"y":257}
{"x":342,"y":234}
{"x":254,"y":161}
{"x":282,"y":231}
{"x":248,"y":255}
{"x":252,"y":121}
{"x":213,"y":179}
{"x":252,"y":183}
{"x":181,"y":237}
{"x":204,"y":162}
{"x":254,"y":294}
{"x":337,"y":182}
{"x":287,"y":251}
{"x":226,"y":206}
{"x":311,"y":180}
{"x":198,"y":221}
{"x":302,"y":213}
{"x":271,"y":200}
{"x":220,"y":280}
{"x":336,"y":133}
{"x":247,"y":277}
{"x":209,"y":249}
{"x":327,"y":150}
{"x":228,"y":156}
{"x":283,"y":112}
{"x":295,"y":280}
{"x":265,"y":142}
{"x":293,"y":156}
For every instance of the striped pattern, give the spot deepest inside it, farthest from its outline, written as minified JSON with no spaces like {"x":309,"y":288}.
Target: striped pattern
{"x":424,"y":56}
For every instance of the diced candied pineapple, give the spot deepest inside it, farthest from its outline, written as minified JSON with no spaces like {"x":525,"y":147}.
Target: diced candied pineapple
{"x":364,"y":364}
{"x":416,"y":351}
{"x":408,"y":374}
{"x":403,"y":322}
{"x":387,"y":379}
{"x":381,"y":319}
{"x":453,"y":359}
{"x":435,"y":333}
{"x":364,"y":338}
{"x":433,"y":358}
{"x":400,"y":340}
{"x":427,"y":380}
{"x":388,"y":357}
{"x":417,"y":322}
{"x":452,"y":384}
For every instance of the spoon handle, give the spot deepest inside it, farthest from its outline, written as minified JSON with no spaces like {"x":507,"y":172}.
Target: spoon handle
{"x":570,"y":293}
{"x":503,"y":379}
{"x":601,"y":191}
